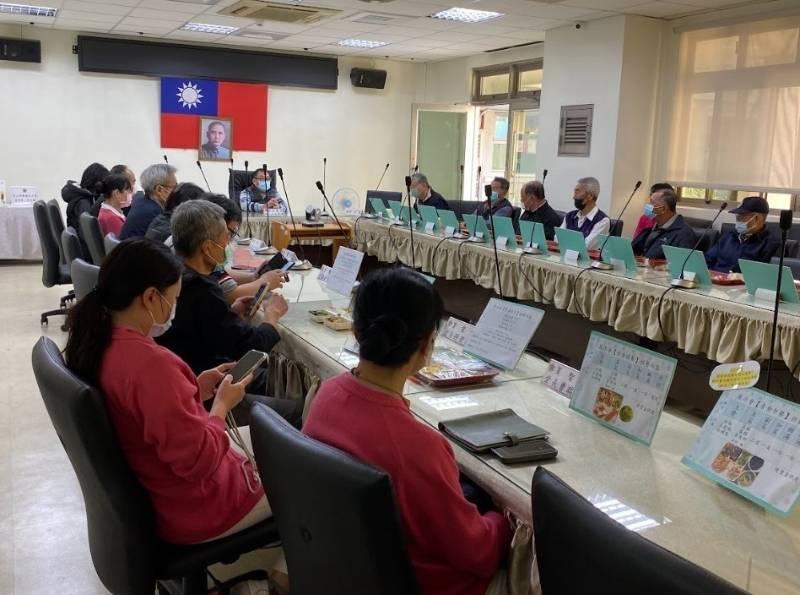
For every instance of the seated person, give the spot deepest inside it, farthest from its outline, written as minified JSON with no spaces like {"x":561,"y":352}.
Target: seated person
{"x":208,"y":331}
{"x":422,"y":193}
{"x":501,"y":207}
{"x":81,"y":198}
{"x":158,"y":182}
{"x":116,"y":192}
{"x":452,"y":546}
{"x":537,"y":209}
{"x":749,"y":240}
{"x":180,"y":453}
{"x":669,"y":228}
{"x":646,"y":222}
{"x":159,"y":229}
{"x":587,"y":218}
{"x":261,"y":192}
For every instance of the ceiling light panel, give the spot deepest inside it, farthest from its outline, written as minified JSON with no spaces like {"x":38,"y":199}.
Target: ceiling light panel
{"x":364,"y":44}
{"x":27,"y":10}
{"x":466,"y":15}
{"x":209,"y":28}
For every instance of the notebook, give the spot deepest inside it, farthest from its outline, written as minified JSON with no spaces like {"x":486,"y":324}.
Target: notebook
{"x":485,"y":431}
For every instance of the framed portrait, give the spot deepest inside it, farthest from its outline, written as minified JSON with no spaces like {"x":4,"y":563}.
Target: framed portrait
{"x":216,"y":136}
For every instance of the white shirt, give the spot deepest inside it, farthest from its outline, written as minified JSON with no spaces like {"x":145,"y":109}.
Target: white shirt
{"x":600,"y":228}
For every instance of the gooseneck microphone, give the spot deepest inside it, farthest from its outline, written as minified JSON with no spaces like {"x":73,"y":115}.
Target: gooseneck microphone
{"x":324,"y":180}
{"x":488,"y":191}
{"x":291,"y":215}
{"x":249,"y":201}
{"x":321,"y":188}
{"x":166,"y":160}
{"x":785,"y":225}
{"x":478,"y":185}
{"x":685,"y":283}
{"x":410,"y":221}
{"x":599,"y":264}
{"x":385,"y":169}
{"x":200,"y":167}
{"x":266,"y":209}
{"x":544,"y":176}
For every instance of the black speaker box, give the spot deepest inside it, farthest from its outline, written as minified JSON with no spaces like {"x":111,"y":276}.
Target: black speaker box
{"x":369,"y":79}
{"x":20,"y":50}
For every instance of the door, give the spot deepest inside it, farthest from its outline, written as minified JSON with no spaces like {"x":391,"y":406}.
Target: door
{"x":522,"y":156}
{"x":441,"y":139}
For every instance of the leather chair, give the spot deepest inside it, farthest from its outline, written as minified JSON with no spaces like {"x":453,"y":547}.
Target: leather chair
{"x":84,"y":276}
{"x":72,"y":246}
{"x":709,"y":237}
{"x":110,"y":242}
{"x":615,"y":228}
{"x":239,"y":179}
{"x":57,"y":226}
{"x":91,"y":234}
{"x":515,"y":215}
{"x":604,"y":557}
{"x":792,"y":263}
{"x":128,"y":556}
{"x":53,"y":272}
{"x":341,"y":531}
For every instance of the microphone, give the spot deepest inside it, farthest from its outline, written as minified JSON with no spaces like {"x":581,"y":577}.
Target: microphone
{"x":416,"y":168}
{"x":785,"y":225}
{"x":461,"y":181}
{"x":410,"y":221}
{"x":166,"y":160}
{"x":324,"y":179}
{"x":289,"y":206}
{"x":478,"y":185}
{"x":249,"y":201}
{"x":385,"y":169}
{"x":544,"y":176}
{"x":488,"y":191}
{"x":321,"y":188}
{"x":200,"y":167}
{"x":685,"y":283}
{"x":599,"y":264}
{"x":266,"y":211}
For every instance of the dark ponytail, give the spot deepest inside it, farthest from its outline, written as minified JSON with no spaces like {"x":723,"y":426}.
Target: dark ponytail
{"x":394,"y":311}
{"x":131,"y":268}
{"x":92,"y":178}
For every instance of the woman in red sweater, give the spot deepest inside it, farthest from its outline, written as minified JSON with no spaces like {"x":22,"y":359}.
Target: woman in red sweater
{"x":117,"y":193}
{"x":453,"y":548}
{"x":201,"y":487}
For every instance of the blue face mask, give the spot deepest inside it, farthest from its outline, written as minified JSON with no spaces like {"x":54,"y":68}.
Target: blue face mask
{"x":649,"y":211}
{"x":495,"y":197}
{"x":741,"y":227}
{"x":264,"y":185}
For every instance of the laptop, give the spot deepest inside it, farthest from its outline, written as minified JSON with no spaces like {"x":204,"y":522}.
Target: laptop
{"x":762,"y":275}
{"x":430,"y":217}
{"x":476,"y":227}
{"x":696,"y":264}
{"x":533,"y":235}
{"x":504,"y":228}
{"x":572,"y":240}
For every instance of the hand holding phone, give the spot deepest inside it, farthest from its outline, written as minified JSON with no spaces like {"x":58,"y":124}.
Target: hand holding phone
{"x":249,"y":362}
{"x":256,"y":304}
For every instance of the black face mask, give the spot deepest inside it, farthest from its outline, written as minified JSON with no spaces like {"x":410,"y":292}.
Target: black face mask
{"x":578,"y":203}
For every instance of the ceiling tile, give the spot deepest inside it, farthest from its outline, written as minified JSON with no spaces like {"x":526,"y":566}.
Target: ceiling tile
{"x":95,"y":7}
{"x":662,"y":9}
{"x":613,"y":5}
{"x":79,"y":26}
{"x":88,"y":17}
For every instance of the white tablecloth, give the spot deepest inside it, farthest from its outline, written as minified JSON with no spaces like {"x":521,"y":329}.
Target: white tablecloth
{"x":18,"y":237}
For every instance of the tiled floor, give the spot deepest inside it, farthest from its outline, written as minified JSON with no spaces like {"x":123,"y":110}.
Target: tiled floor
{"x":43,"y":542}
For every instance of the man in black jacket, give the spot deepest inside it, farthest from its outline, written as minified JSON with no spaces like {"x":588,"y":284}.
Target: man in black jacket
{"x":670,"y":228}
{"x":206,"y":330}
{"x":423,"y":194}
{"x":538,"y":210}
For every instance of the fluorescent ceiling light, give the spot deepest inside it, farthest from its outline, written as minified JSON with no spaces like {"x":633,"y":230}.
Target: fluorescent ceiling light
{"x":466,"y":15}
{"x":208,"y":28}
{"x":362,"y":43}
{"x":33,"y":11}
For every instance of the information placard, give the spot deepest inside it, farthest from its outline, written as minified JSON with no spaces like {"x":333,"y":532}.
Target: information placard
{"x":623,"y":386}
{"x":503,"y":332}
{"x":345,"y":270}
{"x":457,"y":330}
{"x":750,"y":444}
{"x":23,"y":195}
{"x":561,"y":378}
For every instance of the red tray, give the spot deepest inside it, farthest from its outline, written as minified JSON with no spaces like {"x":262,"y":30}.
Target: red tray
{"x":726,"y":278}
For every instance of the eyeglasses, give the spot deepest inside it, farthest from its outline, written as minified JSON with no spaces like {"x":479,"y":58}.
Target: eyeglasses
{"x":233,"y":233}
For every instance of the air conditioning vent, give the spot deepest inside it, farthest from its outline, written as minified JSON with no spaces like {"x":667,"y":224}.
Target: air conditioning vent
{"x":282,"y":13}
{"x":375,"y":18}
{"x":258,"y":33}
{"x":575,"y":134}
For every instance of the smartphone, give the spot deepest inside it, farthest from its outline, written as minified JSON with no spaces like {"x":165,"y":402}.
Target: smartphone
{"x":526,"y":452}
{"x":257,"y":300}
{"x":249,"y":362}
{"x":276,"y":262}
{"x":288,"y":266}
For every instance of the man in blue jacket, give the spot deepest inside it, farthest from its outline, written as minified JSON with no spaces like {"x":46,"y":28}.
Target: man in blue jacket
{"x":669,"y":230}
{"x":749,"y":240}
{"x":158,"y":181}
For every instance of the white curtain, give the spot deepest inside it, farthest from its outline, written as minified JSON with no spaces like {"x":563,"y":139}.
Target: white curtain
{"x":736,"y":117}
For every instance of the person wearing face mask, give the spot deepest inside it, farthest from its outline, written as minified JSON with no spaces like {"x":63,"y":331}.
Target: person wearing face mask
{"x":454,"y":549}
{"x":498,"y":201}
{"x":646,"y":222}
{"x":749,"y":240}
{"x":587,"y":218}
{"x":422,"y":193}
{"x":158,"y":182}
{"x":116,"y":192}
{"x":261,"y":195}
{"x":159,"y":229}
{"x":669,"y":228}
{"x":207,"y":330}
{"x":537,"y":209}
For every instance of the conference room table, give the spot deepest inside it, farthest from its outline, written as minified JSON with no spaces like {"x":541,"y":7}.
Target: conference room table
{"x":645,"y":488}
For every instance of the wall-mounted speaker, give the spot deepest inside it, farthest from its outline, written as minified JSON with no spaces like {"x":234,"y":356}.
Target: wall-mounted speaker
{"x":20,"y":50}
{"x":369,"y":79}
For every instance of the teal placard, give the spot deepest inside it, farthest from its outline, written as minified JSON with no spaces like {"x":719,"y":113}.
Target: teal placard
{"x":396,"y":207}
{"x":533,"y":233}
{"x":429,"y":215}
{"x":504,"y":228}
{"x":696,"y":264}
{"x":448,"y":219}
{"x":404,"y":215}
{"x":378,"y":206}
{"x":476,"y":224}
{"x":572,"y":240}
{"x":763,"y":275}
{"x":615,"y":248}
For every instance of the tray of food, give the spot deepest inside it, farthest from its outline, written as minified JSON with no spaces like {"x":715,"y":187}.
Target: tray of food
{"x":338,"y":323}
{"x":718,"y":278}
{"x":449,"y":367}
{"x":320,"y":316}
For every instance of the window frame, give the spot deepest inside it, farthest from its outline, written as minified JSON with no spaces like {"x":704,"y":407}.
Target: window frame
{"x":515,"y":98}
{"x":715,"y":203}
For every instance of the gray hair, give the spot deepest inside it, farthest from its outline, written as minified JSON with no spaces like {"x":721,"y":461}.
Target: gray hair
{"x":535,"y":188}
{"x":193,"y":222}
{"x":417,"y":178}
{"x":156,"y":175}
{"x":590,"y":185}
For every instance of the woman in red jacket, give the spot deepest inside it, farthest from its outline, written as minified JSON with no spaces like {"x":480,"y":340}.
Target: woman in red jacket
{"x":453,"y":548}
{"x":201,"y":487}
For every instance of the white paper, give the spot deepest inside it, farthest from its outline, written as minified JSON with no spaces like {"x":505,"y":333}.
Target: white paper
{"x":501,"y":242}
{"x":444,"y":403}
{"x":479,"y":235}
{"x":457,"y":330}
{"x":623,"y":386}
{"x":618,"y":264}
{"x":449,"y":230}
{"x":324,"y":273}
{"x":23,"y":195}
{"x":345,"y":271}
{"x":429,"y":226}
{"x":503,"y":332}
{"x":533,"y":245}
{"x":571,"y":257}
{"x":561,"y":378}
{"x":765,"y":296}
{"x":2,"y":192}
{"x":689,"y":275}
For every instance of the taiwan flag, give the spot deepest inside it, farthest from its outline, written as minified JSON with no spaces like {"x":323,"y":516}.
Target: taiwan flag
{"x":185,"y":101}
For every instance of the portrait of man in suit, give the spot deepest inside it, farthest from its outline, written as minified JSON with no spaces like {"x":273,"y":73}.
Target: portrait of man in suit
{"x":215,"y":138}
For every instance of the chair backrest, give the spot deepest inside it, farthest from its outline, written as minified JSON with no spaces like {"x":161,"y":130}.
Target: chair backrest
{"x":91,"y":234}
{"x":515,"y":216}
{"x":563,"y":521}
{"x":56,"y":226}
{"x":84,"y":277}
{"x":709,"y":237}
{"x":120,"y":518}
{"x":71,"y":244}
{"x":615,"y":228}
{"x":792,"y":263}
{"x":239,"y":179}
{"x":337,"y":517}
{"x":51,"y":258}
{"x":110,"y":242}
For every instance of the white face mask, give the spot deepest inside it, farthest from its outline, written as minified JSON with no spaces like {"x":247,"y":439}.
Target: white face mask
{"x":159,"y":329}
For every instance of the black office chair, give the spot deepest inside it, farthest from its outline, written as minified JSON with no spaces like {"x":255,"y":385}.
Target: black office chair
{"x":91,"y":234}
{"x":127,"y":554}
{"x":71,"y":244}
{"x":84,"y":276}
{"x":53,"y":272}
{"x":337,"y":516}
{"x":615,"y":228}
{"x":792,"y":263}
{"x":110,"y":242}
{"x":239,"y":179}
{"x":604,"y":557}
{"x":709,"y":237}
{"x":515,"y":215}
{"x":56,"y":220}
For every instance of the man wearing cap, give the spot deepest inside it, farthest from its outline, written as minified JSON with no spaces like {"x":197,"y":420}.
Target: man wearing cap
{"x":750,"y":239}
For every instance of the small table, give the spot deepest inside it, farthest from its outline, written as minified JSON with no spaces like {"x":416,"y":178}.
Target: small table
{"x":18,"y":237}
{"x":284,"y":232}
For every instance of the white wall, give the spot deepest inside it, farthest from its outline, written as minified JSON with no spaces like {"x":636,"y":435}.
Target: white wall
{"x":59,"y":120}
